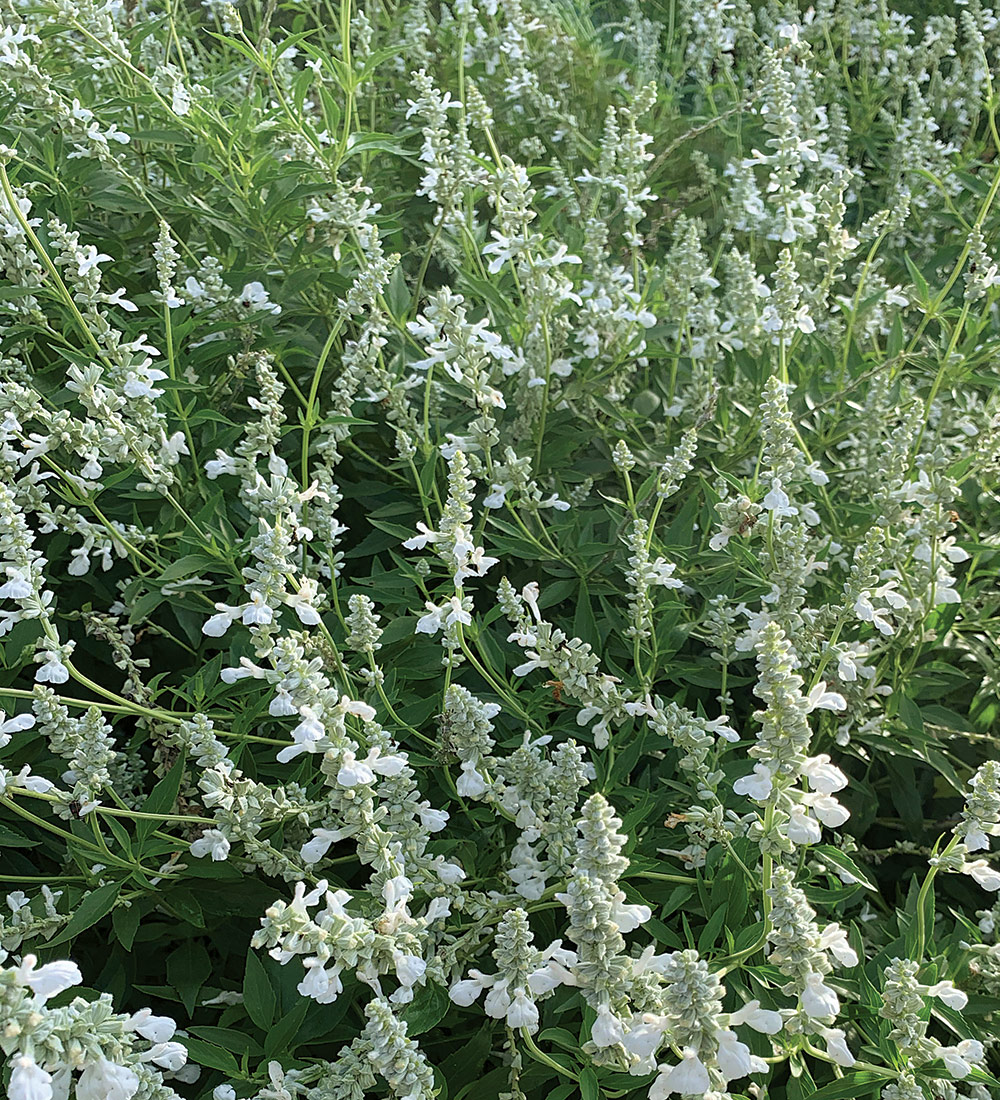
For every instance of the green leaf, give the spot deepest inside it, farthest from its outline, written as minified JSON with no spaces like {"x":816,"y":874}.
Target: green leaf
{"x":710,"y":933}
{"x":185,"y":906}
{"x":10,"y":838}
{"x":125,"y":921}
{"x":561,"y":1037}
{"x":844,"y":863}
{"x":97,"y":904}
{"x":282,"y":1036}
{"x":229,"y":1039}
{"x":918,"y":280}
{"x":188,"y":967}
{"x":589,"y":1088}
{"x":258,"y":996}
{"x":862,"y":1083}
{"x":162,"y":799}
{"x":208,"y":1054}
{"x":427,"y":1009}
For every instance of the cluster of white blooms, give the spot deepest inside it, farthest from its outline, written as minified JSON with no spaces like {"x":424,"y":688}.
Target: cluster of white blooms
{"x":714,"y":33}
{"x":240,"y":806}
{"x":86,"y":744}
{"x":622,"y":166}
{"x":469,"y":353}
{"x":795,"y":816}
{"x":279,"y":504}
{"x":19,"y":258}
{"x":689,"y":285}
{"x":335,"y":939}
{"x":453,"y":540}
{"x":571,"y":661}
{"x":540,"y":794}
{"x":452,"y":167}
{"x":28,"y":918}
{"x":904,"y":1001}
{"x":23,"y":567}
{"x":695,"y":738}
{"x":711,"y":1053}
{"x":794,"y":212}
{"x":104,"y":1055}
{"x":597,"y":908}
{"x":524,"y":974}
{"x":802,"y":951}
{"x":643,"y":574}
{"x":363,"y":633}
{"x":465,"y":727}
{"x":206,"y":291}
{"x":980,"y":821}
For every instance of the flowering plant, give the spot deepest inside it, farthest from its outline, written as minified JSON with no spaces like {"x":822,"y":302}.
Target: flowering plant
{"x":497,"y":550}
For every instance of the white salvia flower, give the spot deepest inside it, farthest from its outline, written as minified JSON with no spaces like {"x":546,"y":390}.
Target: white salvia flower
{"x":314,"y":850}
{"x":821,"y":699}
{"x":139,"y":382}
{"x":257,"y":612}
{"x":170,"y":1056}
{"x":628,"y":917}
{"x":320,"y":984}
{"x":960,"y":1059}
{"x":607,"y":1030}
{"x":221,"y":464}
{"x":981,"y":815}
{"x":438,"y":909}
{"x":522,"y":1012}
{"x":48,"y":980}
{"x":734,"y":1058}
{"x":28,"y":1081}
{"x":470,"y":783}
{"x":18,"y":587}
{"x":764,"y":1020}
{"x":466,"y":992}
{"x":437,"y":618}
{"x":218,"y":624}
{"x":308,"y":736}
{"x":432,"y":820}
{"x":282,"y":705}
{"x":777,"y":501}
{"x":103,"y":1080}
{"x":946,"y":991}
{"x":420,"y":540}
{"x":801,"y":828}
{"x":758,"y":785}
{"x":818,"y":999}
{"x":211,"y":842}
{"x":410,"y":969}
{"x":827,"y":809}
{"x":988,"y":877}
{"x":834,"y":939}
{"x":689,"y":1078}
{"x":530,"y":593}
{"x":157,"y":1029}
{"x":51,"y":669}
{"x":823,"y":776}
{"x":361,"y":710}
{"x":354,"y":772}
{"x":14,"y":724}
{"x":643,"y":1037}
{"x":301,"y":603}
{"x":254,"y":297}
{"x":836,"y":1046}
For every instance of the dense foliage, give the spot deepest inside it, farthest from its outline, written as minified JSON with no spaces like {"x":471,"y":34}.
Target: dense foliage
{"x":498,"y":543}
